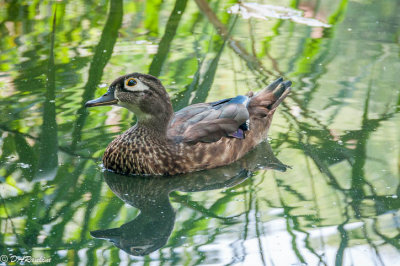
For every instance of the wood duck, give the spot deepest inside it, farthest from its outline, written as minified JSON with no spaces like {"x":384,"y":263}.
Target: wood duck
{"x":200,"y":136}
{"x":151,"y":229}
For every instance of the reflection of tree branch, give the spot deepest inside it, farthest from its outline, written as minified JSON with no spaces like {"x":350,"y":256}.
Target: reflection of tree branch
{"x":47,"y":163}
{"x":344,"y":239}
{"x":398,"y":105}
{"x":290,"y":190}
{"x":318,"y":214}
{"x":289,"y":220}
{"x":266,"y":42}
{"x":202,"y":87}
{"x":369,"y":241}
{"x":252,"y":62}
{"x":356,"y":192}
{"x":169,"y":34}
{"x":95,"y":196}
{"x":101,"y":56}
{"x":65,"y":149}
{"x":20,"y":241}
{"x":360,"y":135}
{"x":185,"y":200}
{"x":259,"y":230}
{"x":394,"y":241}
{"x":252,"y":41}
{"x":358,"y":175}
{"x":308,"y":149}
{"x":247,"y":207}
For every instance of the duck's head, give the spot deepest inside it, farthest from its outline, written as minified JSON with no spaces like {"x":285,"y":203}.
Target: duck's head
{"x":140,"y":93}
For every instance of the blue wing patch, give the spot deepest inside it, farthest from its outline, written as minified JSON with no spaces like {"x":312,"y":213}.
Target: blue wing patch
{"x":241,"y":99}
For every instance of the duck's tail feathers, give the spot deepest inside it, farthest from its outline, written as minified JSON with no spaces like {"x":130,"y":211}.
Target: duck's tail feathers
{"x":268,"y":99}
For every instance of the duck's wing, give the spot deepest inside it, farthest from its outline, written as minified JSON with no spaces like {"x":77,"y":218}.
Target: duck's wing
{"x":208,"y":122}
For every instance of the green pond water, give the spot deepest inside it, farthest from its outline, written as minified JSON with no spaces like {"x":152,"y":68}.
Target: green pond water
{"x":339,"y":131}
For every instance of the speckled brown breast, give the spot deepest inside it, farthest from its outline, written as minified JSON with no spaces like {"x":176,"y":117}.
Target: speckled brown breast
{"x":142,"y":151}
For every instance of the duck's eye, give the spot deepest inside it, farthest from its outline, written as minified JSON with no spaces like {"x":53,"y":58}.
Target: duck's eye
{"x":131,"y":82}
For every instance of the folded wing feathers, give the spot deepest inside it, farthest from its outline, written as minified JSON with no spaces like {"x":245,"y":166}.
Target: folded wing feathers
{"x":208,"y":122}
{"x":209,"y":131}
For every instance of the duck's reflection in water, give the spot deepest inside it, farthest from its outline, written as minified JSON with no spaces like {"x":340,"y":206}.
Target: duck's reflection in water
{"x":151,"y":229}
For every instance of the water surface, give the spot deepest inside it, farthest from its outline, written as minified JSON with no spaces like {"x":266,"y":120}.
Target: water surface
{"x":338,"y":130}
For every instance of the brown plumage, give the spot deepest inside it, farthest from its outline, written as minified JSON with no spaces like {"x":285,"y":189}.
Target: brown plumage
{"x":200,"y":136}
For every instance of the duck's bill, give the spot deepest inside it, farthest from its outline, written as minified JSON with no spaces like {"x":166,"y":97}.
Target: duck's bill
{"x":106,"y":99}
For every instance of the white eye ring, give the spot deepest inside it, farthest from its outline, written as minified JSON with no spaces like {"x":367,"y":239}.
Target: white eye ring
{"x":131,"y":82}
{"x":135,"y":85}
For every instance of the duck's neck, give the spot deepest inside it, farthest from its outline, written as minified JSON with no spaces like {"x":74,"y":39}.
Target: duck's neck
{"x":153,"y":126}
{"x":156,"y":122}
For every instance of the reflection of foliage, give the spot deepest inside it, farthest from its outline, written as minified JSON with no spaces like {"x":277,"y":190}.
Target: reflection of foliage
{"x":47,"y":134}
